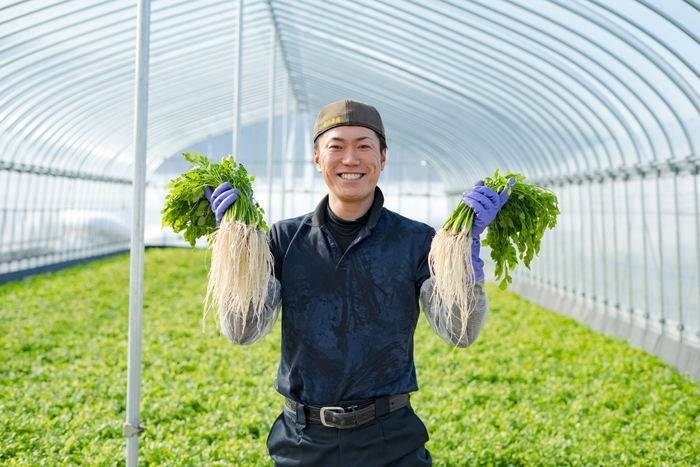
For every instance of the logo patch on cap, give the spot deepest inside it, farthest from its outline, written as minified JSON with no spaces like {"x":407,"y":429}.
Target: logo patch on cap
{"x":331,"y":121}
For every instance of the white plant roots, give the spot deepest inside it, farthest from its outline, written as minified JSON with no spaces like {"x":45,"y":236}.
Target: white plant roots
{"x":241,"y":268}
{"x":451,"y":266}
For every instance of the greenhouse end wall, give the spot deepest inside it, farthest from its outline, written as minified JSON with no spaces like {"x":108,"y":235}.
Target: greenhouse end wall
{"x":625,"y":258}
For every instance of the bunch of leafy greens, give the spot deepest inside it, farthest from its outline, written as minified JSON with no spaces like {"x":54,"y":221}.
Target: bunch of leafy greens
{"x":186,"y":207}
{"x":520,"y":223}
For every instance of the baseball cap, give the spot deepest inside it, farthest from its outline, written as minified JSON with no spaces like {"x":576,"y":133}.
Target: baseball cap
{"x":348,"y":113}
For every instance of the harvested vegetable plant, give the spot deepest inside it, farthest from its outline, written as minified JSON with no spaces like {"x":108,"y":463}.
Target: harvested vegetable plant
{"x":520,"y":224}
{"x":241,"y":261}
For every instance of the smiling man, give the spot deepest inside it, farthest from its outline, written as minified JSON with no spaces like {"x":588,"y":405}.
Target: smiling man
{"x":350,"y":276}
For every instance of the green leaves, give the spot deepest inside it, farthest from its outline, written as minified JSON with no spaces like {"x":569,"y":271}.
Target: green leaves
{"x":520,"y":224}
{"x":186,"y":207}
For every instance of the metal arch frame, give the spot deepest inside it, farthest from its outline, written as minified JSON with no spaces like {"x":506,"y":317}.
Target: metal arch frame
{"x":526,"y":65}
{"x":451,"y":89}
{"x":473,"y":86}
{"x":263,"y":47}
{"x":31,"y":96}
{"x":283,"y":51}
{"x":573,"y":108}
{"x":429,"y":153}
{"x":493,"y":77}
{"x":380,"y":63}
{"x":62,"y":99}
{"x":427,"y":110}
{"x":53,"y":19}
{"x":601,"y":99}
{"x":447,"y":167}
{"x":22,"y":79}
{"x":617,"y":59}
{"x":603,"y":144}
{"x":648,"y":53}
{"x":534,"y":77}
{"x":377,"y":101}
{"x":292,"y":75}
{"x":58,"y":152}
{"x":685,"y":87}
{"x":59,"y":130}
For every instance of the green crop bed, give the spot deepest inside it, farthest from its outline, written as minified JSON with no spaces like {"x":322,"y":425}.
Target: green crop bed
{"x":536,"y":389}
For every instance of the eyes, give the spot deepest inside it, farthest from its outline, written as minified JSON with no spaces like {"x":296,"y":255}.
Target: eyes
{"x":337,"y":146}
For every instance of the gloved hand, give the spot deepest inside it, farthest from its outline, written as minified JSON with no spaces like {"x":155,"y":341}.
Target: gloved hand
{"x":486,"y":203}
{"x":221,"y":199}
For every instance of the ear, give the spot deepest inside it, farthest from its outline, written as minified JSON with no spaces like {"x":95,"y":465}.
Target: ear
{"x":318,"y":166}
{"x":383,"y":158}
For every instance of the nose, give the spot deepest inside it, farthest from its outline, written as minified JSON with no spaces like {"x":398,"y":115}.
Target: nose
{"x":350,"y":158}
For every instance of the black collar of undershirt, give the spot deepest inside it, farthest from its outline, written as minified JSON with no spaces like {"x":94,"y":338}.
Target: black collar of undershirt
{"x":319,"y":217}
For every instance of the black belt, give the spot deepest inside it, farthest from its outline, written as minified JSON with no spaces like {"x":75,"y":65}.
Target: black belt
{"x":346,"y":417}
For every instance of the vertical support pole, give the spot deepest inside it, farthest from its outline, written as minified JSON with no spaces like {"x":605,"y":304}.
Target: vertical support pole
{"x":679,"y":278}
{"x":18,"y":224}
{"x":552,"y":252}
{"x":4,"y":224}
{"x":24,"y":240}
{"x":293,"y":160}
{"x":66,"y":206}
{"x":581,"y":277}
{"x":548,"y":263}
{"x":92,"y":200}
{"x":644,"y":250}
{"x":616,"y":289}
{"x":283,"y":162}
{"x":629,"y":246}
{"x":662,"y":294}
{"x":133,"y":386}
{"x":166,"y":174}
{"x":604,"y":250}
{"x":270,"y":121}
{"x":593,"y":296}
{"x":51,"y":209}
{"x":572,"y":289}
{"x":696,"y":172}
{"x":237,"y":68}
{"x":583,"y":252}
{"x":558,"y":278}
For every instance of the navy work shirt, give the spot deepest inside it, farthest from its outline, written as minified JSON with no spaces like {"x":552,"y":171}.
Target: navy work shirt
{"x":348,"y":318}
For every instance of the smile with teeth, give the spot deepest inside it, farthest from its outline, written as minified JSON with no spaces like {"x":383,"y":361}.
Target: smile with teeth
{"x":351,"y":176}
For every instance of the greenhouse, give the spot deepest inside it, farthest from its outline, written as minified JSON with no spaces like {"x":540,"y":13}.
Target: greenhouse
{"x":590,"y":357}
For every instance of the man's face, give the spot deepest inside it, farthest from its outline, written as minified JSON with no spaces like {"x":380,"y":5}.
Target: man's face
{"x":349,"y":159}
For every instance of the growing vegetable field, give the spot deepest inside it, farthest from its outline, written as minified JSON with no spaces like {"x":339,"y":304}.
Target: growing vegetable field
{"x":536,"y":389}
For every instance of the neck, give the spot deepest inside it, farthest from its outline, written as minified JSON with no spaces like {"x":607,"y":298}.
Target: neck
{"x":350,"y":211}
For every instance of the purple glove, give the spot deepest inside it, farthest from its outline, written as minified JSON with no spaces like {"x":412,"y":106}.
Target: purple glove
{"x":486,"y":203}
{"x":221,"y":199}
{"x":477,"y":263}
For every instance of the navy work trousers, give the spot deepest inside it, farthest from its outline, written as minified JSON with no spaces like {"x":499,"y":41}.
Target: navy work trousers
{"x":393,"y":439}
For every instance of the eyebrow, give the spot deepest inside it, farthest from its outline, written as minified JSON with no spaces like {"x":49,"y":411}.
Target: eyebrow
{"x":338,"y":138}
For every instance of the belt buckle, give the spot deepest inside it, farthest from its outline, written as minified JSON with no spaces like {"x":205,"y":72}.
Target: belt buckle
{"x":333,"y":410}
